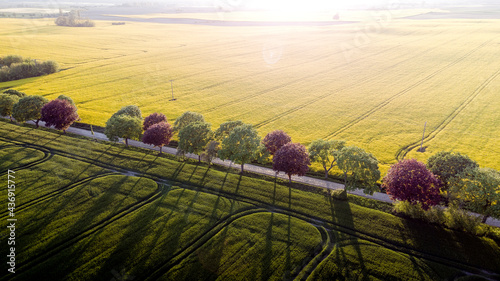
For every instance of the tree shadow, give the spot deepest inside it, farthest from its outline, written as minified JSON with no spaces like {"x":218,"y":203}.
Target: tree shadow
{"x":342,"y":215}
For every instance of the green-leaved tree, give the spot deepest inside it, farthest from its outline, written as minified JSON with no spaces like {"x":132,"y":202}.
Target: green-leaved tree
{"x":7,"y":103}
{"x":187,"y":118}
{"x":225,"y":129}
{"x":479,"y":190}
{"x":29,"y":108}
{"x":241,"y":146}
{"x":194,"y":137}
{"x":361,"y":166}
{"x":123,"y":126}
{"x":325,"y":153}
{"x":448,"y":165}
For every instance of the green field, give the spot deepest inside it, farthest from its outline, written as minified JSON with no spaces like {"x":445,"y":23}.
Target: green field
{"x":374,"y":88}
{"x":92,"y":211}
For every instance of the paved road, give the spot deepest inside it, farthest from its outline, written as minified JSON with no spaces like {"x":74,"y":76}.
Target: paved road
{"x":251,"y":168}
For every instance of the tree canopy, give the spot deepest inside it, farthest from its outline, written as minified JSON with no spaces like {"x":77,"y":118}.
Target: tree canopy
{"x":361,"y":166}
{"x":274,"y":140}
{"x":447,"y":165}
{"x":225,"y":129}
{"x":130,"y":110}
{"x":152,"y":119}
{"x":7,"y":103}
{"x":325,"y":153}
{"x":479,"y":190}
{"x":158,"y":134}
{"x":70,"y":100}
{"x":292,"y":159}
{"x":15,"y":93}
{"x":59,"y":113}
{"x":29,"y":108}
{"x":123,"y":126}
{"x":194,"y":137}
{"x":187,"y":118}
{"x":241,"y":146}
{"x":409,"y":180}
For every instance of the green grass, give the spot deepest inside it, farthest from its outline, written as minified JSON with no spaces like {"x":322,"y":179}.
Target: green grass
{"x":376,"y":95}
{"x":13,"y":157}
{"x":184,"y":226}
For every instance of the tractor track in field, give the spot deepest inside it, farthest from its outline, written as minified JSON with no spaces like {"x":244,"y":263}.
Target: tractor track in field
{"x":401,"y":93}
{"x":317,"y":58}
{"x":402,"y":152}
{"x":261,"y":205}
{"x":328,"y":244}
{"x":47,"y":156}
{"x":61,"y":245}
{"x":355,"y":84}
{"x":276,"y":117}
{"x":56,"y":192}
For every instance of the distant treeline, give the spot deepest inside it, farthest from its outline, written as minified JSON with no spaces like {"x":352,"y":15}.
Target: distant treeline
{"x":17,"y":67}
{"x":74,"y":20}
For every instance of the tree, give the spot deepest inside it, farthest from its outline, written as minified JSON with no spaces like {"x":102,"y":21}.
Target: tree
{"x":29,"y":108}
{"x":409,"y":180}
{"x":152,"y":119}
{"x":130,"y":110}
{"x":194,"y":137}
{"x":70,"y":100}
{"x":7,"y":103}
{"x":241,"y":146}
{"x":59,"y":113}
{"x":275,"y":140}
{"x":325,"y":153}
{"x":211,"y":151}
{"x":187,"y":118}
{"x":479,"y":190}
{"x":291,"y":158}
{"x":362,"y":167}
{"x":225,"y":129}
{"x":158,"y":134}
{"x":123,"y":126}
{"x":447,"y":165}
{"x":15,"y":93}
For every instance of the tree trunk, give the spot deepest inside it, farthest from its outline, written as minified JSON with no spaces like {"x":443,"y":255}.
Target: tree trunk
{"x":11,"y":119}
{"x":242,"y":167}
{"x":36,"y":123}
{"x":161,"y":148}
{"x":199,"y":158}
{"x":290,"y":179}
{"x":345,"y":181}
{"x":326,"y":174}
{"x":126,"y":142}
{"x":485,"y":218}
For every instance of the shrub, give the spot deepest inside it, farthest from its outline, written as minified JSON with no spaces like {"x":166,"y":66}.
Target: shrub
{"x":459,"y":219}
{"x":15,"y":68}
{"x":339,"y":194}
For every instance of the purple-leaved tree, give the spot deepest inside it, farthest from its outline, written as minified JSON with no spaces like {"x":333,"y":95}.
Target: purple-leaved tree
{"x":60,"y":114}
{"x":293,"y":159}
{"x":410,"y":180}
{"x":152,"y":119}
{"x":158,"y":134}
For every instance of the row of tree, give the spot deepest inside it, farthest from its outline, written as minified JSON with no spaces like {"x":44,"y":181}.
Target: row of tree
{"x":60,"y":112}
{"x":459,"y":178}
{"x":449,"y":177}
{"x":17,"y":67}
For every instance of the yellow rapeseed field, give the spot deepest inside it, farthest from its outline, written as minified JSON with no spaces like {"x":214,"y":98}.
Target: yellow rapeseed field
{"x":373,"y":83}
